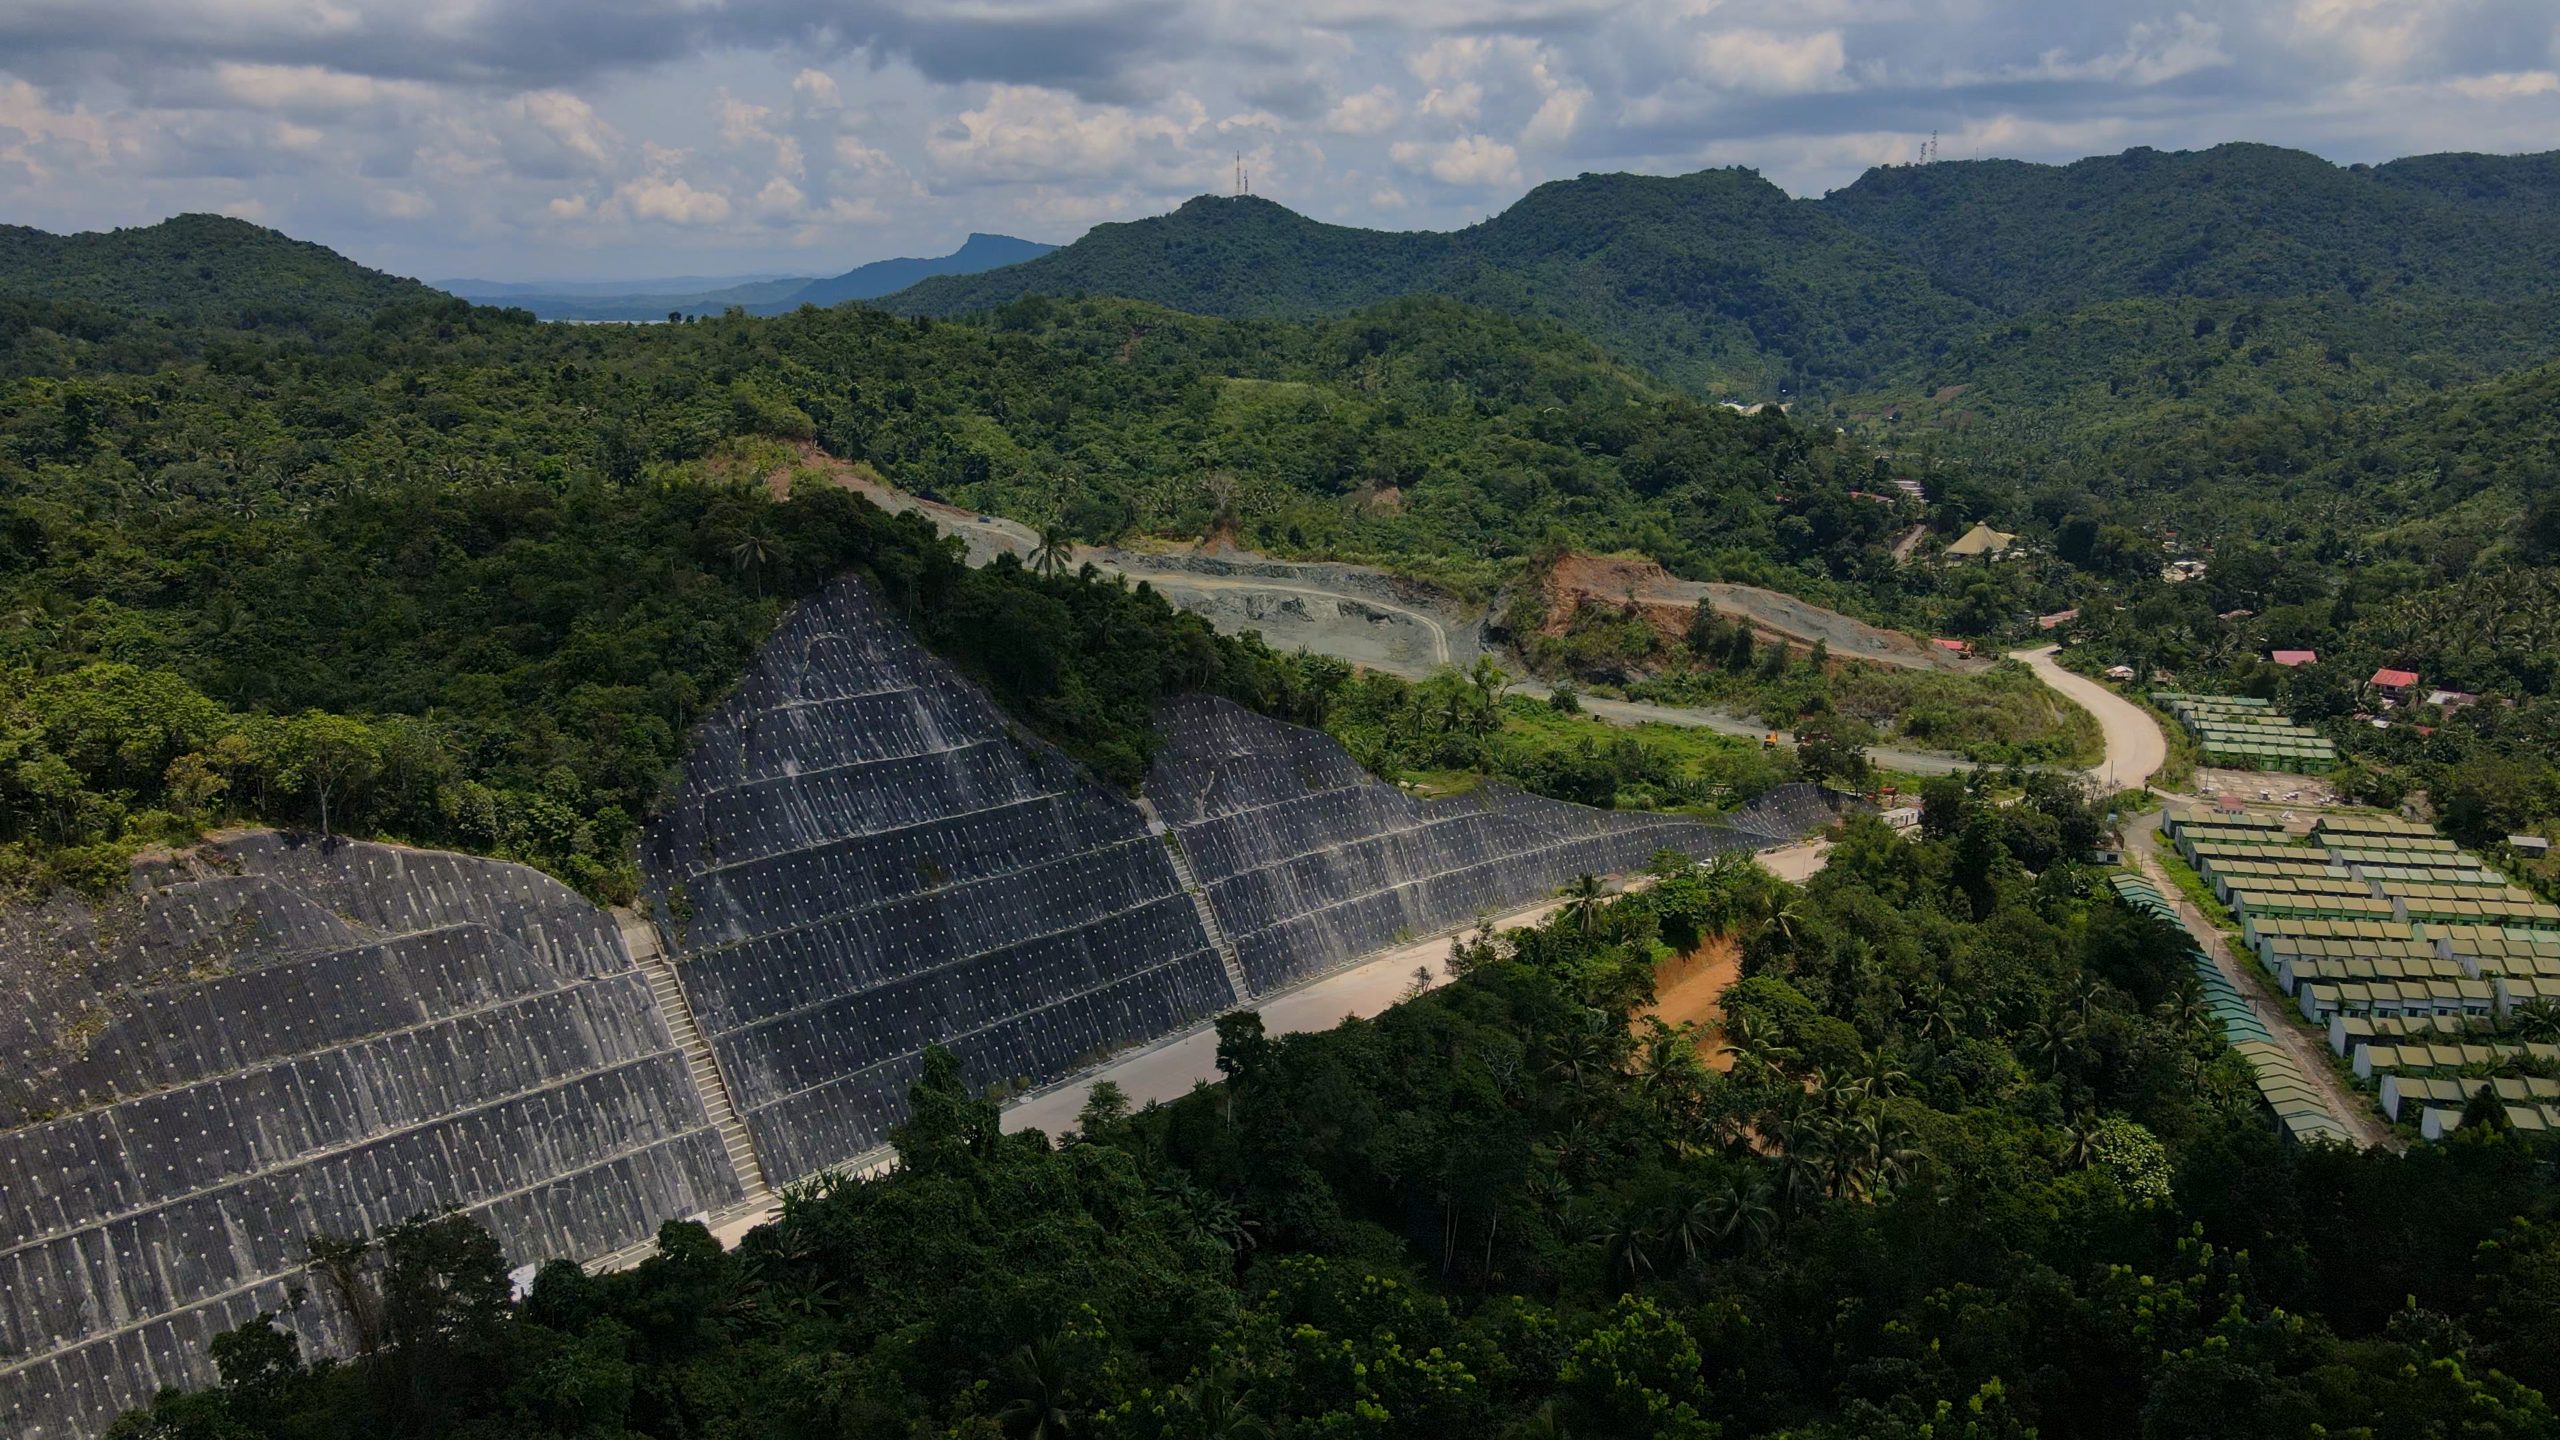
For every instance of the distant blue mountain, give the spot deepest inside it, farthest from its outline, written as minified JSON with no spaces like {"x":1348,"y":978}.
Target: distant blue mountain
{"x":499,"y":292}
{"x":643,"y":300}
{"x":881,"y":277}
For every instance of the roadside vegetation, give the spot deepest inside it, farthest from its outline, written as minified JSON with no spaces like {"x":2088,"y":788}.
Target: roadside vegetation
{"x":1457,"y":729}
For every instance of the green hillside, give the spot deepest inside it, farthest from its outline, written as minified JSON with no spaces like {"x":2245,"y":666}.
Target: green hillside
{"x":2233,"y":221}
{"x":201,"y":268}
{"x":1716,"y":281}
{"x":1243,"y":256}
{"x":2057,"y":303}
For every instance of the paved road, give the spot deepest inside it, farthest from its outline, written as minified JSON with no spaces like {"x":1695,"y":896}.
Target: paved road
{"x":1168,"y":1070}
{"x":2135,"y":747}
{"x":2357,"y":1113}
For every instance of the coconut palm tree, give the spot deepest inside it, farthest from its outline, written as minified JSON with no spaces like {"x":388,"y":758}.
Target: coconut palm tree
{"x":1754,"y":1048}
{"x":1036,"y":1375}
{"x":752,"y":549}
{"x":1876,"y":1079}
{"x":2053,"y":1042}
{"x":1938,"y":1013}
{"x":1218,"y":1408}
{"x":1582,"y":898}
{"x":1054,"y":553}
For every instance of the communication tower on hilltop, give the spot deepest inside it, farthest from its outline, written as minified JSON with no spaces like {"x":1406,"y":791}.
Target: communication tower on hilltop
{"x":1929,"y":149}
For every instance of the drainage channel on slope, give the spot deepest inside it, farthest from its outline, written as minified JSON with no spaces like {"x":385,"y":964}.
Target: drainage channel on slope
{"x":640,"y":937}
{"x":1199,"y":894}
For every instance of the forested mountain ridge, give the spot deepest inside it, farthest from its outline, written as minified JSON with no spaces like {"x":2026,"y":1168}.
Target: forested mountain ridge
{"x":2236,"y":220}
{"x":1721,"y":284}
{"x":880,"y":277}
{"x":1715,"y":280}
{"x":1241,"y":256}
{"x":207,"y":268}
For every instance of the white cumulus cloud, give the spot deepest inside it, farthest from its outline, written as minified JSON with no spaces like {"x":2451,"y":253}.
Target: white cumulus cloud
{"x":1773,"y":64}
{"x":1477,"y":160}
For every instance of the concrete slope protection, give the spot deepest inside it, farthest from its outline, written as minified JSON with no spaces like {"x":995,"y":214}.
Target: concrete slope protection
{"x":274,"y":1038}
{"x":864,"y":859}
{"x":1311,"y":863}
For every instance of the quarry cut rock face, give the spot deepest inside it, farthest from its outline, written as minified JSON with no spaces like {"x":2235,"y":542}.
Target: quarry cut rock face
{"x":864,"y":859}
{"x":1310,"y":863}
{"x":273,"y":1038}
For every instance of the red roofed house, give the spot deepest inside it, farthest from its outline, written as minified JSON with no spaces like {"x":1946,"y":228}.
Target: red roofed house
{"x":1953,"y":647}
{"x":2294,"y":659}
{"x":2056,"y":619}
{"x":2395,"y":683}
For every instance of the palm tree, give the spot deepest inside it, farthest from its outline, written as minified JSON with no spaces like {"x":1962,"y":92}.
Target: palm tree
{"x":1937,"y":1013}
{"x":2184,"y":1012}
{"x":1582,"y":897}
{"x":1037,"y":1377}
{"x":1584,"y":1054}
{"x":2053,"y":1042}
{"x":1879,"y":1078}
{"x":1782,"y":912}
{"x":1667,"y":1065}
{"x":1218,"y":1408}
{"x":1755,"y":1051}
{"x":1742,"y":1210}
{"x":2077,"y":1150}
{"x":751,"y":549}
{"x":1053,"y":554}
{"x":2538,"y":1021}
{"x":1621,"y":1242}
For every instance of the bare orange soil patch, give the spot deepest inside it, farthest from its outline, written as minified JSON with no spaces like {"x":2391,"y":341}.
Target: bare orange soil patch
{"x":1668,"y":603}
{"x":1685,"y":988}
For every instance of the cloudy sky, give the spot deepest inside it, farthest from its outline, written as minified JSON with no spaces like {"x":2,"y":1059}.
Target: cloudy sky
{"x":616,"y":138}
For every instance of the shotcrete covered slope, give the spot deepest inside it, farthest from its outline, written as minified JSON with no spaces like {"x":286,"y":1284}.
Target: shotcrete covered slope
{"x":1311,"y":863}
{"x":864,"y":859}
{"x":280,"y":1038}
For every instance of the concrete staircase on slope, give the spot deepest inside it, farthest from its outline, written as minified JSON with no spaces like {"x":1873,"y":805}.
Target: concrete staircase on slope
{"x":1199,"y":894}
{"x":641,"y":938}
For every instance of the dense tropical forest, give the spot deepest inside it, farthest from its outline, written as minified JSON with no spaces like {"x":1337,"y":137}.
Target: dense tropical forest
{"x":2021,"y":303}
{"x":438,"y":573}
{"x":1965,"y":1163}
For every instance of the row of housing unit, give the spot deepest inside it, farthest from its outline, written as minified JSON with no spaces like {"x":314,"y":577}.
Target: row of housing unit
{"x":2248,"y":734}
{"x":2290,"y":1096}
{"x":2395,"y":939}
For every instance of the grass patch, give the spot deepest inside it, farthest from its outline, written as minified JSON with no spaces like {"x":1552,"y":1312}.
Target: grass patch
{"x":2000,"y":716}
{"x":2198,"y":893}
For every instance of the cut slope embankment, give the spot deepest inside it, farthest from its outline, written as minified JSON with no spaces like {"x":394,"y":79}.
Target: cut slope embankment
{"x":1669,"y":603}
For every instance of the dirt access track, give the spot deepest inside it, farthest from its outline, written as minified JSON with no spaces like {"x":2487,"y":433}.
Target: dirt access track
{"x":1669,"y":602}
{"x":1383,"y":622}
{"x":1364,"y":616}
